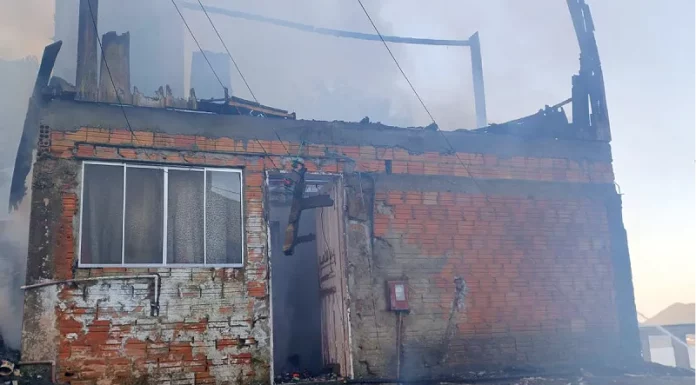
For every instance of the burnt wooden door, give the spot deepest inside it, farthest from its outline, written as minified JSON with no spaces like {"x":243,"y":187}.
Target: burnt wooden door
{"x":332,"y":281}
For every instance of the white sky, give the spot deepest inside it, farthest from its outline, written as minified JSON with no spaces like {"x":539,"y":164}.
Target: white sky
{"x":529,"y":53}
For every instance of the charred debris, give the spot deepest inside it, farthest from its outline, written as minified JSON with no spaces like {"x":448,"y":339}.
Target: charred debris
{"x":111,"y":85}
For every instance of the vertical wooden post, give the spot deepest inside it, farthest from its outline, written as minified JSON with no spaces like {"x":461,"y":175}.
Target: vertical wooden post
{"x":87,"y":56}
{"x":114,"y":81}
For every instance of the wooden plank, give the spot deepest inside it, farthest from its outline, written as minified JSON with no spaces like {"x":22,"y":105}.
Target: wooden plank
{"x":295,"y":211}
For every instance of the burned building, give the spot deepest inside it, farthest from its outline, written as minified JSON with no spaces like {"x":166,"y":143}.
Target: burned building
{"x":197,"y":242}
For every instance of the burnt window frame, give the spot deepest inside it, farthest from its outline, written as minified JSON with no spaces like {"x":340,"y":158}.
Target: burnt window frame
{"x":163,"y":264}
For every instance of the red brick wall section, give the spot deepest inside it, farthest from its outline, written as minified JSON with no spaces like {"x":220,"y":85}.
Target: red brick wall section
{"x":529,"y":265}
{"x":206,"y":330}
{"x":85,"y":141}
{"x":536,"y":280}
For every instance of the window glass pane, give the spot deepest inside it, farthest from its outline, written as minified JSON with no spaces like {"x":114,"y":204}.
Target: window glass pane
{"x":102,"y":214}
{"x":185,"y":217}
{"x":223,"y":217}
{"x":144,"y":212}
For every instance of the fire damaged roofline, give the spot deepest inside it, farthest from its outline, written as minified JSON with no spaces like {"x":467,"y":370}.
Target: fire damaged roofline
{"x":63,"y":115}
{"x":233,"y":105}
{"x":546,"y":132}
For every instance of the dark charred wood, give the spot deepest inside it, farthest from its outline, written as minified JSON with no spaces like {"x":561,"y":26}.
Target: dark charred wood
{"x":295,"y":211}
{"x":316,"y":202}
{"x":305,"y":239}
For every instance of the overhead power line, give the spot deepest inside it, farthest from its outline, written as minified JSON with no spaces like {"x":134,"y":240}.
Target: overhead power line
{"x":108,"y":70}
{"x":238,"y":69}
{"x":199,"y":47}
{"x":449,"y":144}
{"x":396,"y":61}
{"x":220,"y":81}
{"x":228,"y":52}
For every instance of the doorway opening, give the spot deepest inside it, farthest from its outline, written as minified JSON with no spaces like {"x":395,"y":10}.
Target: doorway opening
{"x":308,"y":288}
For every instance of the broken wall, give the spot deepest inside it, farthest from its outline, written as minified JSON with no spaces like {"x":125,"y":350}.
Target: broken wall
{"x":512,"y":249}
{"x":157,"y":44}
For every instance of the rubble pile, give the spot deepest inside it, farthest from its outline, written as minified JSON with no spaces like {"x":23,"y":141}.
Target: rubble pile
{"x":11,"y":373}
{"x":305,"y":376}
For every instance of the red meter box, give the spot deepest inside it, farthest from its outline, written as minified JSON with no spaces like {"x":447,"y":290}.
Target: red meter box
{"x":398,"y":295}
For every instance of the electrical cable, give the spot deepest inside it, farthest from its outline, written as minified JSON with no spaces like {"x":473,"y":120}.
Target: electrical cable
{"x":199,"y":46}
{"x":396,"y":61}
{"x":478,"y":186}
{"x":108,"y":70}
{"x":228,"y":52}
{"x":220,"y":81}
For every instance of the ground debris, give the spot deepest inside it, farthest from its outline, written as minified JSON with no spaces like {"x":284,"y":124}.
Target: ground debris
{"x":308,"y":377}
{"x":642,"y":374}
{"x":11,"y":372}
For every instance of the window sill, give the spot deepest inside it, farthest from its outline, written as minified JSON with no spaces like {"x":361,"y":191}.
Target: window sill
{"x":155,"y":266}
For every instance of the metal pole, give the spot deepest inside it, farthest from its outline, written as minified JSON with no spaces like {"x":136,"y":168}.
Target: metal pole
{"x":326,"y":31}
{"x":477,"y":71}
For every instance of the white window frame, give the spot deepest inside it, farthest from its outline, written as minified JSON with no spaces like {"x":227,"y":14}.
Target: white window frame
{"x":164,"y":263}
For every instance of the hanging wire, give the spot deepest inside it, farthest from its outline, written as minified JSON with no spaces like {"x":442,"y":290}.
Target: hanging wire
{"x":222,"y":84}
{"x":198,"y":45}
{"x":452,"y":149}
{"x":396,"y":62}
{"x":228,"y":52}
{"x":108,"y":69}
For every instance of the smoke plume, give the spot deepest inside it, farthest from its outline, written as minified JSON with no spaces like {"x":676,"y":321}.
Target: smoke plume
{"x":528,"y":53}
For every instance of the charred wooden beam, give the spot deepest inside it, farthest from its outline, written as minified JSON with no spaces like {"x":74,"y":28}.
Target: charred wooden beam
{"x":306,"y":238}
{"x":316,"y":201}
{"x":192,"y":101}
{"x":30,"y":133}
{"x":87,"y":57}
{"x":588,"y":84}
{"x":300,"y":203}
{"x":114,"y":77}
{"x":581,"y":103}
{"x":295,"y":211}
{"x":238,"y":106}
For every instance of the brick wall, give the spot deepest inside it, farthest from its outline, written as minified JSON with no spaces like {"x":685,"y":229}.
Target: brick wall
{"x":492,"y":281}
{"x":191,"y":149}
{"x":204,"y":326}
{"x":522,"y":275}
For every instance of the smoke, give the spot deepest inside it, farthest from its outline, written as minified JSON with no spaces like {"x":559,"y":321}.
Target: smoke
{"x":16,"y":81}
{"x":529,"y":53}
{"x":14,"y":234}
